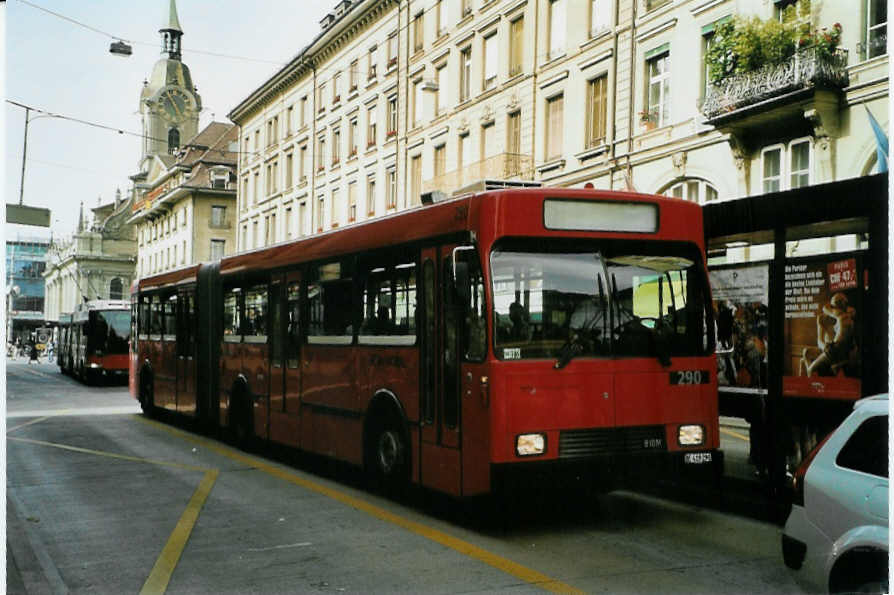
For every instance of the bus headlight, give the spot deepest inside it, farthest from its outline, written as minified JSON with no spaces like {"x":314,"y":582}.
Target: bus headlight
{"x":527,"y":445}
{"x":691,"y":435}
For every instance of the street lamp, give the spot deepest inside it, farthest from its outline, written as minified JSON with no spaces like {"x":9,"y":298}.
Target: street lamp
{"x":120,"y":48}
{"x":28,"y":119}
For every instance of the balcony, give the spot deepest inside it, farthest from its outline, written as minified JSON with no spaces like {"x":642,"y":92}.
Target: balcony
{"x":775,"y":90}
{"x":504,"y":166}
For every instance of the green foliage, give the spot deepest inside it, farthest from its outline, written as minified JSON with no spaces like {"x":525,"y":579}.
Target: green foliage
{"x":747,"y":44}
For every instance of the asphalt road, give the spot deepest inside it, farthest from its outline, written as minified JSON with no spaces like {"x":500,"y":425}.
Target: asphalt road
{"x":101,"y":499}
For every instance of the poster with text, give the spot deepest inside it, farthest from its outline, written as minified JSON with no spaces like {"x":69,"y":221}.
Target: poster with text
{"x":740,"y":311}
{"x":823,"y":297}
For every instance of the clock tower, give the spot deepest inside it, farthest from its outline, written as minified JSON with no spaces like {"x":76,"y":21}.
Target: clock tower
{"x":169,"y":104}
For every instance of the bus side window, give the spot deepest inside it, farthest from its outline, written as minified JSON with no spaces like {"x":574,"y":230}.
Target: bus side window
{"x":255,"y":322}
{"x":276,"y":329}
{"x":231,"y":314}
{"x":330,"y":300}
{"x":143,"y":316}
{"x":388,"y":306}
{"x":451,"y":365}
{"x":293,"y":341}
{"x":156,"y":321}
{"x":170,"y":318}
{"x":475,"y":329}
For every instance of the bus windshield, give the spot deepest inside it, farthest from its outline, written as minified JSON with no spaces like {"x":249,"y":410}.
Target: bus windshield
{"x":599,"y":299}
{"x":110,"y":331}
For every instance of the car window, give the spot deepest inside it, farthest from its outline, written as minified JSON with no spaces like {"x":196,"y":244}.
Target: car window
{"x":867,"y":449}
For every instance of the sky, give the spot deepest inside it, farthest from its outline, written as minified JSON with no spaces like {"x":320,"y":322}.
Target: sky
{"x":58,"y":66}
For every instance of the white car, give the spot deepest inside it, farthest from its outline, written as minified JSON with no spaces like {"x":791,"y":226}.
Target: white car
{"x":836,"y":536}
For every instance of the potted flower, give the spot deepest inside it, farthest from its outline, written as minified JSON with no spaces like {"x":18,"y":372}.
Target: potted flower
{"x":648,"y":119}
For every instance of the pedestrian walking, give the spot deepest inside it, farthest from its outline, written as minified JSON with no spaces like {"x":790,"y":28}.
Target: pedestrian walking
{"x":33,"y":352}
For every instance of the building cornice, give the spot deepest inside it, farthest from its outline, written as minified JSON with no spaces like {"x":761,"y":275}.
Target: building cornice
{"x":327,"y":44}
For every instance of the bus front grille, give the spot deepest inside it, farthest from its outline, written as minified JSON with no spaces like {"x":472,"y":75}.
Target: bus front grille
{"x":610,"y":441}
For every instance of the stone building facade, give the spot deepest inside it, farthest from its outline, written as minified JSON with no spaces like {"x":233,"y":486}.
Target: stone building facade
{"x":395,"y":98}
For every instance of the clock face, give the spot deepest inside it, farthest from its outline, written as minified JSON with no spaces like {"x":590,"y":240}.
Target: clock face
{"x":174,"y":103}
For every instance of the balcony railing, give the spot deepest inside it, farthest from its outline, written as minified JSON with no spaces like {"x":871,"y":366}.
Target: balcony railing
{"x":809,"y":68}
{"x":504,"y":166}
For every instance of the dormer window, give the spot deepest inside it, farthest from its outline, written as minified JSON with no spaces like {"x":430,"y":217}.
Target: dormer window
{"x":220,"y":176}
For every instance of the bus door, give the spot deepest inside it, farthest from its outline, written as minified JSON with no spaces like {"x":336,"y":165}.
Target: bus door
{"x":285,"y":353}
{"x":186,"y":356}
{"x":256,"y":329}
{"x":439,"y":454}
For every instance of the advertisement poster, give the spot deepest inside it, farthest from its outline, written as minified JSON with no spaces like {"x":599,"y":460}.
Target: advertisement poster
{"x":822,"y":339}
{"x":740,"y":311}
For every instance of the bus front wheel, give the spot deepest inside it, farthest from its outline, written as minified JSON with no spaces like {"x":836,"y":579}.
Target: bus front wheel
{"x":387,"y":453}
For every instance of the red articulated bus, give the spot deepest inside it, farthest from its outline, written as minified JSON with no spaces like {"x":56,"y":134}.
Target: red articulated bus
{"x":92,"y":341}
{"x":454,"y":344}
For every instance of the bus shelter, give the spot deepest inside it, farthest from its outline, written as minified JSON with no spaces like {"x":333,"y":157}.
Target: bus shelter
{"x":801,"y":333}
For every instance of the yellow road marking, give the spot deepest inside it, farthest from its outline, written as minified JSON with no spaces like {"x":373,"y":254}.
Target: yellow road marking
{"x":33,"y":421}
{"x":110,"y":455}
{"x":158,"y":579}
{"x":164,"y":567}
{"x":463,"y":547}
{"x":734,"y":434}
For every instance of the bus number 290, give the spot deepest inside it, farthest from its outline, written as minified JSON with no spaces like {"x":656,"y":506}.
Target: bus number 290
{"x":690,"y":377}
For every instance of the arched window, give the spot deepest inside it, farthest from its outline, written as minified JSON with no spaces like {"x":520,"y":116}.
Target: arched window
{"x":691,"y":189}
{"x":116,"y":289}
{"x":173,"y":140}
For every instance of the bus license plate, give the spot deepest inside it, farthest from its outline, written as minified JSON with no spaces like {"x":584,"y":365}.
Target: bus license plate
{"x":697,"y":458}
{"x":690,"y":377}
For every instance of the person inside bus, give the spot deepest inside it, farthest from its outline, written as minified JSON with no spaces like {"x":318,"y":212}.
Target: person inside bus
{"x":519,"y":330}
{"x":381,"y":323}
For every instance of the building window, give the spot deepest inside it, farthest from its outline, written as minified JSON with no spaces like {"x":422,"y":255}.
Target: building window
{"x":321,"y":205}
{"x":218,"y":216}
{"x":658,"y":99}
{"x":290,"y":124}
{"x":371,"y":72}
{"x":218,"y":249}
{"x":290,"y":163}
{"x":352,"y":201}
{"x":771,"y":168}
{"x":799,"y":163}
{"x":461,"y":153}
{"x":442,"y":17}
{"x":516,"y":45}
{"x":557,"y":28}
{"x":554,"y":127}
{"x":371,"y":127}
{"x":335,"y":205}
{"x":596,"y":110}
{"x":321,"y":152}
{"x":441,"y":91}
{"x":352,"y":76}
{"x":288,"y":222}
{"x":256,"y":188}
{"x":513,"y":133}
{"x":302,"y":114}
{"x":692,"y":189}
{"x":302,"y":218}
{"x":466,"y":6}
{"x":417,"y":103}
{"x":352,"y":138}
{"x":653,"y":4}
{"x":392,"y":51}
{"x":391,"y":177}
{"x":302,"y":164}
{"x":256,"y":237}
{"x":876,"y":40}
{"x":465,"y":73}
{"x":418,"y":32}
{"x":371,"y":195}
{"x":116,"y":289}
{"x":488,"y":142}
{"x":440,"y":160}
{"x":415,"y":179}
{"x":244,"y":243}
{"x":392,"y":116}
{"x":599,"y":16}
{"x":490,"y":62}
{"x":336,"y":87}
{"x":336,"y":145}
{"x":321,"y":93}
{"x":173,"y":140}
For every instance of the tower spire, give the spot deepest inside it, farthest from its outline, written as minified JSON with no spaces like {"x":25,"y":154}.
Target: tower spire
{"x":171,"y":33}
{"x":81,"y":218}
